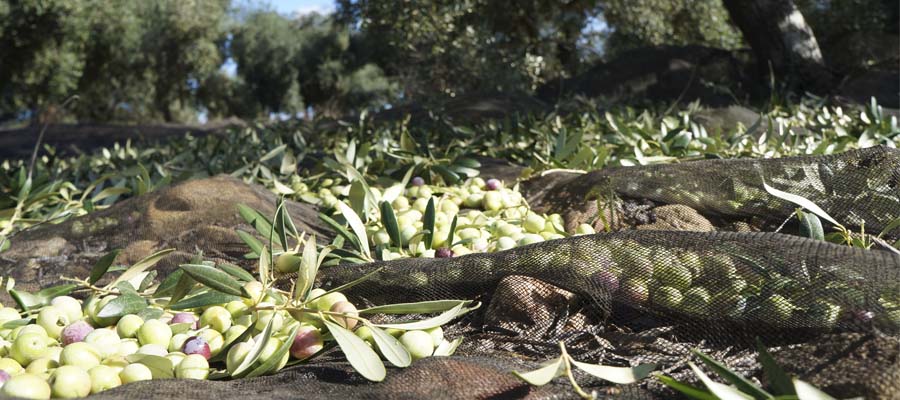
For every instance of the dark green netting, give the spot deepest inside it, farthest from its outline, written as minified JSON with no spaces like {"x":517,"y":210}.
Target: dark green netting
{"x":828,"y":312}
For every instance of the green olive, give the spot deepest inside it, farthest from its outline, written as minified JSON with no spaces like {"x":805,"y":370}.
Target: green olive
{"x":27,"y":386}
{"x":70,"y":382}
{"x":418,"y":343}
{"x":667,"y":296}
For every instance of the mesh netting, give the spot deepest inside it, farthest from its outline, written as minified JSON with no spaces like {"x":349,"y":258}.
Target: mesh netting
{"x":828,"y":312}
{"x":857,"y":188}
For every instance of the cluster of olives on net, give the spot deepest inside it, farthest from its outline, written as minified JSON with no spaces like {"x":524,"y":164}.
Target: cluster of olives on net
{"x":489,"y":217}
{"x":66,"y":350}
{"x":714,"y":286}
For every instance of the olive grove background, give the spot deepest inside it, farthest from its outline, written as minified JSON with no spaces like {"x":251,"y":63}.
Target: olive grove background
{"x":146,"y":61}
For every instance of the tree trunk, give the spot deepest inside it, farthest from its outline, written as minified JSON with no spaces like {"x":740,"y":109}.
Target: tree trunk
{"x":781,"y":40}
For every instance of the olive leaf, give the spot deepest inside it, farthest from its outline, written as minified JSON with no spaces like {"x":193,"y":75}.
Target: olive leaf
{"x":208,"y":298}
{"x":363,"y":359}
{"x":449,"y":176}
{"x":255,"y":351}
{"x":223,"y":354}
{"x":26,"y":301}
{"x":802,"y":202}
{"x":236,"y":272}
{"x":256,"y":219}
{"x":150,"y":313}
{"x":181,"y":327}
{"x":805,"y":391}
{"x":390,"y":223}
{"x":357,"y":226}
{"x":272,"y":363}
{"x":279,"y":225}
{"x":102,"y":265}
{"x":687,"y":390}
{"x":447,"y":348}
{"x":621,"y":375}
{"x":390,"y":347}
{"x":160,"y":367}
{"x":255,"y":245}
{"x":428,"y":224}
{"x":340,"y":230}
{"x":810,"y":226}
{"x":393,"y":192}
{"x":15,"y":323}
{"x":309,"y":268}
{"x":358,"y":197}
{"x":213,"y":278}
{"x":542,"y":376}
{"x":744,"y":384}
{"x":429,"y":323}
{"x":56,"y":291}
{"x":182,"y":288}
{"x":148,"y":280}
{"x":422,"y":307}
{"x":721,"y":391}
{"x":452,"y":230}
{"x":778,"y":379}
{"x":167,"y":286}
{"x":129,"y":303}
{"x":141,"y":266}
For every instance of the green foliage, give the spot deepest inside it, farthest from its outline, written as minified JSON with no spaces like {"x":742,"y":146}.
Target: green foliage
{"x":125,"y":60}
{"x":480,"y":45}
{"x":265,"y":48}
{"x":676,"y":22}
{"x":781,"y":385}
{"x":63,"y":187}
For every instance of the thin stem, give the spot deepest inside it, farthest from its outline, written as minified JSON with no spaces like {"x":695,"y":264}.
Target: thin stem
{"x":567,"y":359}
{"x":85,"y":285}
{"x":312,"y":311}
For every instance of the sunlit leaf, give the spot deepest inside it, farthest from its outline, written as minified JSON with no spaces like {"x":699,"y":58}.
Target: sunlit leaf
{"x":363,"y":359}
{"x":160,"y":367}
{"x":390,"y":347}
{"x":805,"y":391}
{"x":688,"y":390}
{"x":358,"y":228}
{"x":142,"y":266}
{"x":213,"y":278}
{"x":622,"y":375}
{"x":423,"y":307}
{"x":545,"y":374}
{"x":429,"y":323}
{"x":723,"y":392}
{"x":802,"y":202}
{"x":447,"y":348}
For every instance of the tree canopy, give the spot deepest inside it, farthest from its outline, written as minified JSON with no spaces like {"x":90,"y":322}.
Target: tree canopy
{"x":162,"y":60}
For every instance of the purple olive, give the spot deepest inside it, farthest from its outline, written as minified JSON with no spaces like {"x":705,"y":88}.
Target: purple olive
{"x":307,"y":342}
{"x":196,"y":345}
{"x":492,"y":184}
{"x":606,"y":280}
{"x":862,"y":315}
{"x":443,"y":252}
{"x":183,"y":317}
{"x":418,"y":181}
{"x":75,"y":332}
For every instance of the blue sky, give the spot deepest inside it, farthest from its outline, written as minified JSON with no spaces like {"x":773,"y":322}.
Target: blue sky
{"x":290,"y":7}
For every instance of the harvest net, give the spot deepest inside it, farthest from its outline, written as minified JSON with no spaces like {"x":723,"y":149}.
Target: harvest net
{"x":829,"y":313}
